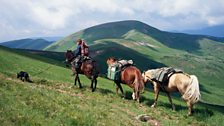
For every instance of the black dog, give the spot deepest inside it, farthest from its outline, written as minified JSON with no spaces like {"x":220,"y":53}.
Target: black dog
{"x":24,"y":76}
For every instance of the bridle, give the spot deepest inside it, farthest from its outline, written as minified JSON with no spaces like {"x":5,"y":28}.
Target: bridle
{"x":69,"y":57}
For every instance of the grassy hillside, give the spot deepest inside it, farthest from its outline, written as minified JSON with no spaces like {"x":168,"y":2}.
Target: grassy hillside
{"x":65,"y":43}
{"x":207,"y":63}
{"x":35,"y":44}
{"x":52,"y":99}
{"x":152,"y":48}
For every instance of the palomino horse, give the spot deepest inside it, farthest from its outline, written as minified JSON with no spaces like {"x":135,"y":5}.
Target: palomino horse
{"x":88,"y":68}
{"x":186,"y":84}
{"x":130,"y":76}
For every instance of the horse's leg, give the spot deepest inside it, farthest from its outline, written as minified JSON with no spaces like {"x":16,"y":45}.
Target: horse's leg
{"x":95,"y":80}
{"x":190,"y":107}
{"x":80,"y":85}
{"x":156,"y":94}
{"x":119,"y":87}
{"x":171,"y":102}
{"x":76,"y":77}
{"x":137,"y":96}
{"x":133,"y":95}
{"x":136,"y":93}
{"x":92,"y":80}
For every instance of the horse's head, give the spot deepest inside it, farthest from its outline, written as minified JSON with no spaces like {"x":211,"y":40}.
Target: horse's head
{"x":111,"y":61}
{"x":148,"y":75}
{"x":69,"y":56}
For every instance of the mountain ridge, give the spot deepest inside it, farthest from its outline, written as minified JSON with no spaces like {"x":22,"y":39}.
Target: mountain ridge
{"x":28,"y":43}
{"x":215,"y":31}
{"x":118,"y":29}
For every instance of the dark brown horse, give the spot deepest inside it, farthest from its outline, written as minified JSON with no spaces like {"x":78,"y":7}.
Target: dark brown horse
{"x":130,"y":76}
{"x":88,"y":68}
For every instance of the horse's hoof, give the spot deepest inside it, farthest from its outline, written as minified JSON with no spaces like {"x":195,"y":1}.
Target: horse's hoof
{"x":189,"y":114}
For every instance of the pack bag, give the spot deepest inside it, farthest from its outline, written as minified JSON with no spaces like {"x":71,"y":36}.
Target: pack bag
{"x":84,"y":49}
{"x":113,"y":72}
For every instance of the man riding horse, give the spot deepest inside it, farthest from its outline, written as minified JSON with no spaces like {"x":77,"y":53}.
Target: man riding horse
{"x":81,"y":53}
{"x":82,"y":64}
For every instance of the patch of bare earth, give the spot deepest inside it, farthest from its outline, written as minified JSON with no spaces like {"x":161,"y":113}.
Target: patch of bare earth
{"x":146,"y":44}
{"x":148,"y":119}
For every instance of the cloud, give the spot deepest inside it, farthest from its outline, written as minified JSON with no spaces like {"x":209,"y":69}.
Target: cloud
{"x":50,"y":16}
{"x":25,"y":18}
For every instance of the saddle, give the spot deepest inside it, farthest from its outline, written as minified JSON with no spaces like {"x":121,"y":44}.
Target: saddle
{"x":164,"y":75}
{"x":79,"y":60}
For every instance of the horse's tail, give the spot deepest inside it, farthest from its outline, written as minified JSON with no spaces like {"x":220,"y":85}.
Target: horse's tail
{"x":140,"y":82}
{"x":96,"y":70}
{"x":192,"y":93}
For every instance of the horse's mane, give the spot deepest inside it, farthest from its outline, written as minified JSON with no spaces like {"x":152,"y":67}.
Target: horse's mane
{"x":112,"y":58}
{"x":69,"y":55}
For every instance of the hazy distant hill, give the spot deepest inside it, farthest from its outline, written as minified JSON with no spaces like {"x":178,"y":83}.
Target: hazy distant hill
{"x":217,"y":31}
{"x":51,"y":39}
{"x":36,"y":44}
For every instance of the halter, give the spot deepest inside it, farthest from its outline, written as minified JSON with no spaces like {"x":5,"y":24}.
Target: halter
{"x":71,"y":58}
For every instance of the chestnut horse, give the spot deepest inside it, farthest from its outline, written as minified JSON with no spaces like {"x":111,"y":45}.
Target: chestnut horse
{"x":130,"y":76}
{"x":88,"y":68}
{"x":186,"y":84}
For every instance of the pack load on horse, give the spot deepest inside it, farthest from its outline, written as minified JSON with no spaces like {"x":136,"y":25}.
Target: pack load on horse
{"x":114,"y":70}
{"x":82,"y":65}
{"x":174,"y":80}
{"x":164,"y":74}
{"x":125,"y":72}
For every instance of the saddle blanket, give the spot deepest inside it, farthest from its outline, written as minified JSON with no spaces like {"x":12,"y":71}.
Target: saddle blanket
{"x":165,"y":73}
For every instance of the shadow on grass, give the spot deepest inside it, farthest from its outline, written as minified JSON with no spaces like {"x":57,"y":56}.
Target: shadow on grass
{"x":202,"y":114}
{"x":202,"y":88}
{"x":105,"y":91}
{"x":199,"y":113}
{"x":143,"y":99}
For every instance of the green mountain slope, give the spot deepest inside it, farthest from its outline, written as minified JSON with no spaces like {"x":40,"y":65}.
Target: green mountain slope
{"x":52,"y":100}
{"x":118,"y":29}
{"x":152,"y":48}
{"x":36,"y":44}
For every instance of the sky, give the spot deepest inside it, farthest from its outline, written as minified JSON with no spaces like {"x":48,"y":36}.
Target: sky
{"x":43,"y":18}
